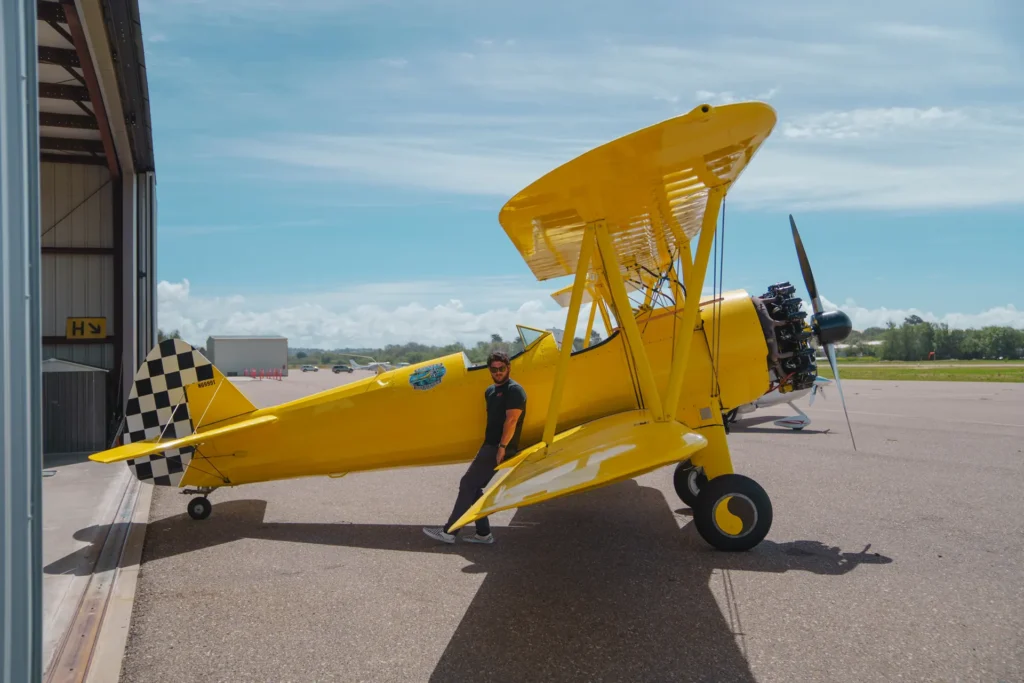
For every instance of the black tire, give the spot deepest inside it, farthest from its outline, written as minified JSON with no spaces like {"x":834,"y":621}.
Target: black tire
{"x":688,"y":481}
{"x":748,"y":504}
{"x":199,"y":508}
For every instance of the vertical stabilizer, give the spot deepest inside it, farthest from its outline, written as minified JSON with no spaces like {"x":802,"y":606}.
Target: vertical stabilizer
{"x":175,"y":390}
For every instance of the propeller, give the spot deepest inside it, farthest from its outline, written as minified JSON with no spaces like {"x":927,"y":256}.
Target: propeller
{"x":828,"y":326}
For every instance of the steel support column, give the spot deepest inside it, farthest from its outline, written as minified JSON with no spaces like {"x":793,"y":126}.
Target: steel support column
{"x":21,"y":432}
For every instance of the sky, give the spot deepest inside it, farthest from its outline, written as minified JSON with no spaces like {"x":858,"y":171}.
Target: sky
{"x":317,"y":160}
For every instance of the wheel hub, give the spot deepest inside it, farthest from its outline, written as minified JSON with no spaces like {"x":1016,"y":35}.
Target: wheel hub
{"x":734,"y":515}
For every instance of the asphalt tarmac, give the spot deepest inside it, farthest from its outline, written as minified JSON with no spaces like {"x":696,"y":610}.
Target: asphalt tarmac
{"x":899,"y":561}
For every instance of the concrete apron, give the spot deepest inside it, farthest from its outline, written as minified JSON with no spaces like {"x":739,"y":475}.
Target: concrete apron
{"x":94,"y":519}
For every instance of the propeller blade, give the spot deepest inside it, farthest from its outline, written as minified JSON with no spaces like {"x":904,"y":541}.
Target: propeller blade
{"x":805,"y":267}
{"x":830,"y":348}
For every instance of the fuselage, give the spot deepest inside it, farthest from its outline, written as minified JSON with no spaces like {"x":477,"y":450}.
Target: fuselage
{"x":432,"y":413}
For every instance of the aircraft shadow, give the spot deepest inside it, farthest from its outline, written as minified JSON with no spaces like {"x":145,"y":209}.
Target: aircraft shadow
{"x":750,"y":425}
{"x":775,"y":430}
{"x":600,"y":585}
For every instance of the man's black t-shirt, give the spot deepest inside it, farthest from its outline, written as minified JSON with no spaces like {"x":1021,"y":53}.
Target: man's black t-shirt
{"x":500,"y":398}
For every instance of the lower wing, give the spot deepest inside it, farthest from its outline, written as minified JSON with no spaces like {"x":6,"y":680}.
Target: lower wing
{"x":598,"y":453}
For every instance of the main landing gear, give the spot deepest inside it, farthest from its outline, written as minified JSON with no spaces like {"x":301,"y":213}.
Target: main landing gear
{"x":731,"y":512}
{"x":688,"y":481}
{"x":199,"y":507}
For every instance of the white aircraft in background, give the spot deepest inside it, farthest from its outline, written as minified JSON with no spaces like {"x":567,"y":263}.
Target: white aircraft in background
{"x":774,"y":398}
{"x":375,"y":366}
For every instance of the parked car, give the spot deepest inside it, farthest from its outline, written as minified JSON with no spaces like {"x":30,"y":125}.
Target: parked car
{"x":341,"y":368}
{"x":310,"y":368}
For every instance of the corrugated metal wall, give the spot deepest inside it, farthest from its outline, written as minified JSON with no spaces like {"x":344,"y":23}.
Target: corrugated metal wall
{"x":73,"y":412}
{"x":75,"y":286}
{"x":76,"y":210}
{"x":82,"y":196}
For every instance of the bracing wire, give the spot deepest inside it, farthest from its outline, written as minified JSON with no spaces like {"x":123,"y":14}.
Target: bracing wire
{"x":75,"y":208}
{"x":722,"y":289}
{"x":714,"y":308}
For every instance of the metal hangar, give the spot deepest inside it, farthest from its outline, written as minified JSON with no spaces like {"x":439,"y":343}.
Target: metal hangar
{"x":97,"y":195}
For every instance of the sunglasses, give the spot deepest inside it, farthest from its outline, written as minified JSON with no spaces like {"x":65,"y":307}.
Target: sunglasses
{"x":498,"y":368}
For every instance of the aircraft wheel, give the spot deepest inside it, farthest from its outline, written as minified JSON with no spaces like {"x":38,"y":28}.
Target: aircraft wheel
{"x":733,"y":513}
{"x":199,"y":508}
{"x":688,"y":481}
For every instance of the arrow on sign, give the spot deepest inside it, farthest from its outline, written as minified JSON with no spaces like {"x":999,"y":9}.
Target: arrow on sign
{"x":86,"y":328}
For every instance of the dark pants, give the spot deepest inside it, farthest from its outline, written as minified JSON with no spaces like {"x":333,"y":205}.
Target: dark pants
{"x":471,"y":487}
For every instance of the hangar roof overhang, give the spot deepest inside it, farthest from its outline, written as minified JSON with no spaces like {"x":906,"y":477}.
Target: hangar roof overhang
{"x":84,"y":117}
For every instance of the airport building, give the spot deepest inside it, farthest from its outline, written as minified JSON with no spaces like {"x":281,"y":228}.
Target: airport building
{"x":233,"y":355}
{"x":97,"y":215}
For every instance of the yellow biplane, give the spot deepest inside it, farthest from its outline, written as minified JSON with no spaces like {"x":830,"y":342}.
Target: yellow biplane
{"x":642,"y":209}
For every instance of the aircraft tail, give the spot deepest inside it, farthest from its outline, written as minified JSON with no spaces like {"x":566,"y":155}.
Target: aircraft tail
{"x":176,"y":390}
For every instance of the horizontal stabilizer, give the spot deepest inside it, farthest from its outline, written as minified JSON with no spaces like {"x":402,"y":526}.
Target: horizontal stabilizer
{"x":139,"y":449}
{"x":598,"y":453}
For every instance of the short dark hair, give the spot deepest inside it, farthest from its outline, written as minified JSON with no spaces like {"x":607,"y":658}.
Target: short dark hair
{"x":499,"y":356}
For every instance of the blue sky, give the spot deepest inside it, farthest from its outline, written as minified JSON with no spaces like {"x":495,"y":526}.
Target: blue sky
{"x":314,"y":158}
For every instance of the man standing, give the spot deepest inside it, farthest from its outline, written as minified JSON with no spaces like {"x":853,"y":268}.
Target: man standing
{"x":506,"y":411}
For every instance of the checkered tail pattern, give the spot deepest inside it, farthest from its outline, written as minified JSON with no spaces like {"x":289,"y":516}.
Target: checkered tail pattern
{"x":157,"y":407}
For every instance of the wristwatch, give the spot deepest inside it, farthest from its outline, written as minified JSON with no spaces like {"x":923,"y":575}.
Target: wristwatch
{"x":502,"y":445}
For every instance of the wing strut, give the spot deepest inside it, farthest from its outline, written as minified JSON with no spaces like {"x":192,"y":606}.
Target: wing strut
{"x":694,"y":282}
{"x":582,"y":268}
{"x":624,"y":313}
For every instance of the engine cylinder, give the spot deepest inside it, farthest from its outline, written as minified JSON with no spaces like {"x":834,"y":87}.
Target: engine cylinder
{"x":791,"y":356}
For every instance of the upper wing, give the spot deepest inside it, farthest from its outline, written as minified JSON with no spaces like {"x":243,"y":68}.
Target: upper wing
{"x":650,"y":187}
{"x":594,"y":454}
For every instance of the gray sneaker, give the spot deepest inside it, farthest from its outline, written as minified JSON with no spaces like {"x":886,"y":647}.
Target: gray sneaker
{"x":438,"y":534}
{"x":477,"y":538}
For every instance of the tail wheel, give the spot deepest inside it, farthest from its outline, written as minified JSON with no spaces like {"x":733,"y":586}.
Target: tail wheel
{"x":199,"y":507}
{"x":688,"y":481}
{"x":733,"y":512}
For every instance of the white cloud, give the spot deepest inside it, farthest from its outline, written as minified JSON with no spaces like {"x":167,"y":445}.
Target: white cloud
{"x":876,"y":123}
{"x":444,"y":165}
{"x":877,"y":110}
{"x":864,"y":318}
{"x":433,"y":312}
{"x":881,"y":158}
{"x":841,"y":65}
{"x":250,"y":11}
{"x":367,"y":315}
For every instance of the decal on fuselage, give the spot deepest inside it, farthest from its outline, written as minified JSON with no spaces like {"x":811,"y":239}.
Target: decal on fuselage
{"x":428,"y":377}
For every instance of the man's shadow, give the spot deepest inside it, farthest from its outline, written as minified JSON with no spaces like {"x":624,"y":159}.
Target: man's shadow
{"x":599,"y":585}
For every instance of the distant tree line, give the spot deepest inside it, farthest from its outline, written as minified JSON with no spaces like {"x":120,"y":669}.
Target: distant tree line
{"x":174,"y":334}
{"x":916,"y":339}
